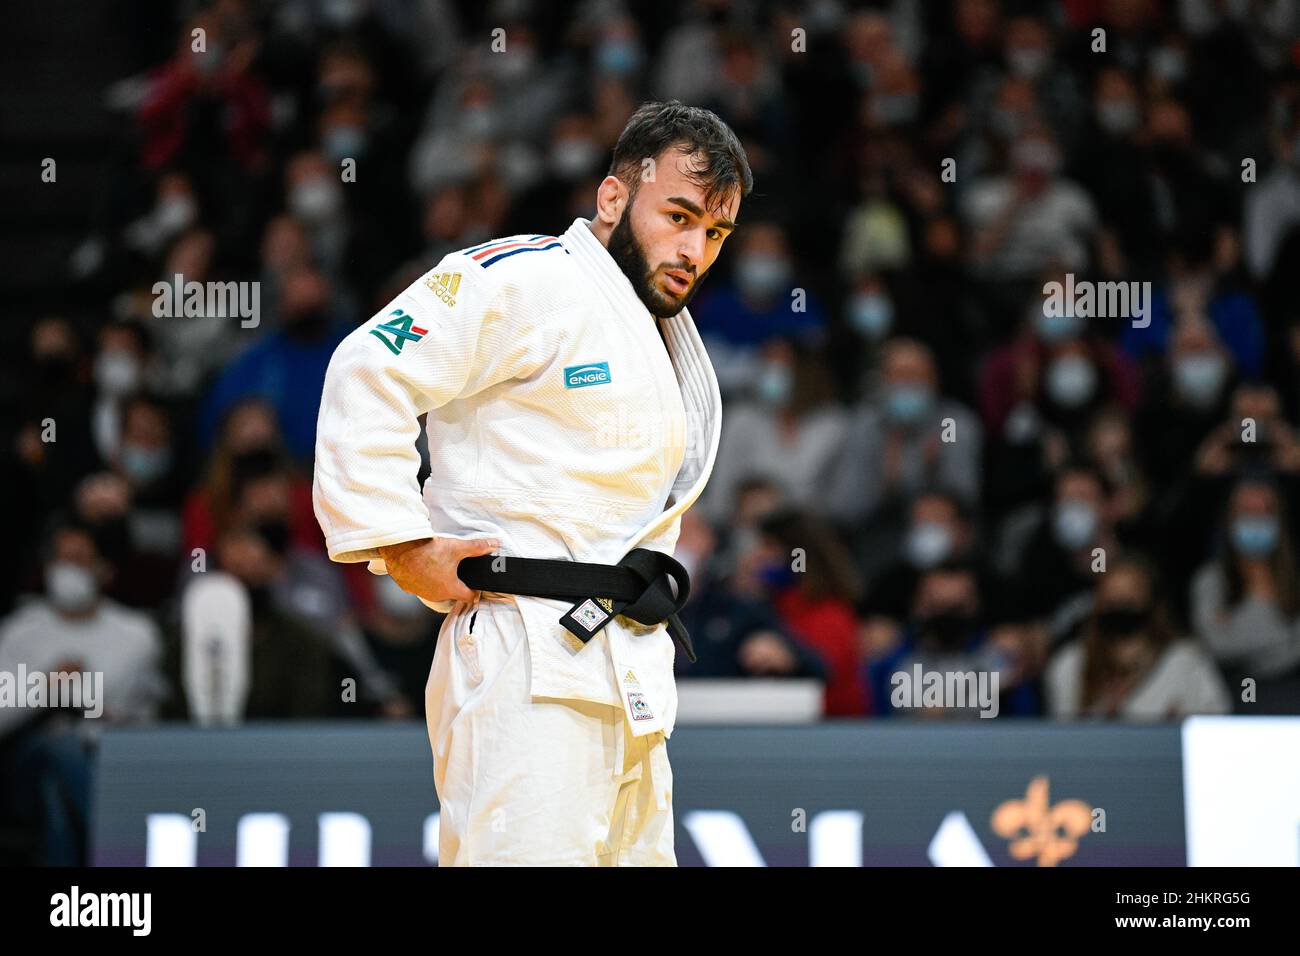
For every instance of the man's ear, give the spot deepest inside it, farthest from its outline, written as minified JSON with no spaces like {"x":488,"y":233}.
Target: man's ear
{"x":611,"y":200}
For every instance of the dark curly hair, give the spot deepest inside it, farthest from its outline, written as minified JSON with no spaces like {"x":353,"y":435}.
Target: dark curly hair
{"x":657,"y":127}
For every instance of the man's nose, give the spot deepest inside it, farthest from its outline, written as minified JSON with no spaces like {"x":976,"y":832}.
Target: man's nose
{"x":691,"y":250}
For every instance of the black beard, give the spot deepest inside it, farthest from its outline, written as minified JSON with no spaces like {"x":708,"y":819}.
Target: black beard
{"x":626,"y":251}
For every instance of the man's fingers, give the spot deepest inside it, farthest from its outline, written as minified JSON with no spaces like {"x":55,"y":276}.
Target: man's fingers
{"x":476,"y":547}
{"x":461,"y":593}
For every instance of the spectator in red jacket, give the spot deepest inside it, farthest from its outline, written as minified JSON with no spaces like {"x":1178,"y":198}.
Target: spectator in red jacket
{"x":809,"y":577}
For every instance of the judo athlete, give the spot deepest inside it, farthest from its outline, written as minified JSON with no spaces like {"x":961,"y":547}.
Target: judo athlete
{"x":572,"y":417}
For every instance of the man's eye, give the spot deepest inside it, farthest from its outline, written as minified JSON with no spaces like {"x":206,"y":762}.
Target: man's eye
{"x":675,"y":216}
{"x":715,"y":234}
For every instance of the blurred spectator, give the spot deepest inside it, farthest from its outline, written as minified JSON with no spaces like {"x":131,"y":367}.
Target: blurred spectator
{"x":1053,"y":565}
{"x":1023,"y":221}
{"x":290,"y":666}
{"x":285,"y":367}
{"x":1039,"y":393}
{"x":791,"y":432}
{"x":905,"y":439}
{"x":401,"y":633}
{"x":939,"y":531}
{"x":736,"y":634}
{"x":1201,"y":287}
{"x":71,"y":630}
{"x":1246,"y":603}
{"x":797,"y":563}
{"x":248,"y":447}
{"x":1272,"y":207}
{"x":1188,"y":396}
{"x":947,"y":633}
{"x":122,"y":365}
{"x":1129,"y":664}
{"x":762,"y":303}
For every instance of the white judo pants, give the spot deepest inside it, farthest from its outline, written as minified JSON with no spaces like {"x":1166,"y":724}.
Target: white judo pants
{"x":528,"y":781}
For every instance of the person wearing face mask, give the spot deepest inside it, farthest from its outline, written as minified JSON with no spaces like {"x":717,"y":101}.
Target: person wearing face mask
{"x":145,"y":455}
{"x":291,"y":667}
{"x":790,"y":430}
{"x":249,"y":447}
{"x":119,"y":372}
{"x":1129,"y":664}
{"x":1246,"y":602}
{"x":1023,"y":221}
{"x":1202,"y":286}
{"x":285,"y":367}
{"x":1029,"y":56}
{"x":1111,"y":165}
{"x":1038,"y":393}
{"x":1055,"y":566}
{"x":1187,"y":399}
{"x":755,"y":306}
{"x":302,"y":585}
{"x":906,"y":438}
{"x":738,"y":632}
{"x":939,"y":531}
{"x":72,"y":627}
{"x":947,"y":631}
{"x":573,"y":157}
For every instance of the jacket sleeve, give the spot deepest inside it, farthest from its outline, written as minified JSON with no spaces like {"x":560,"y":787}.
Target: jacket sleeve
{"x":436,"y":342}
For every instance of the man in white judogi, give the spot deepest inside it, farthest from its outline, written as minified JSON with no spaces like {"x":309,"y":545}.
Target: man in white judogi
{"x":572,"y":414}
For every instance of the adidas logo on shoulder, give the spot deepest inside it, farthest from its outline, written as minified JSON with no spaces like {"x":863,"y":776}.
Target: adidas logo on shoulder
{"x":444,"y":285}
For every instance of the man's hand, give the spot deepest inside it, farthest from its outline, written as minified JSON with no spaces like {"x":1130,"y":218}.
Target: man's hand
{"x":427,"y":568}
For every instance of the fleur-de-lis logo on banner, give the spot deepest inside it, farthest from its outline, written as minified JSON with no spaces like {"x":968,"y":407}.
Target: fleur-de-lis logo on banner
{"x":1037,"y":829}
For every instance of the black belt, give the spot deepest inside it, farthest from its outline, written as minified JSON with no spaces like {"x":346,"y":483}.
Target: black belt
{"x":638,"y":587}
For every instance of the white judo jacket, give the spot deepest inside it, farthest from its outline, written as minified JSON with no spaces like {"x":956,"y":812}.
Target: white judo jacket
{"x":559,"y":421}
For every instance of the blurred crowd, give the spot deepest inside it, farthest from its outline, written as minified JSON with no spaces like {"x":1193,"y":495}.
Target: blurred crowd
{"x":919,"y":462}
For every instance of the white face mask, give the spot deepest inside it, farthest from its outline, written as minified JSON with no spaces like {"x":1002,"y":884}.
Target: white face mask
{"x":117,"y":372}
{"x":774,"y":384}
{"x":70,"y":586}
{"x":1071,"y":381}
{"x":928,"y":543}
{"x":315,"y":201}
{"x":1075,"y":524}
{"x":762,"y":275}
{"x":175,"y":214}
{"x":1199,"y":377}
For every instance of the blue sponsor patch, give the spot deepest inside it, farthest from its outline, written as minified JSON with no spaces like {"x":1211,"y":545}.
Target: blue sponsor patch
{"x":580,"y":376}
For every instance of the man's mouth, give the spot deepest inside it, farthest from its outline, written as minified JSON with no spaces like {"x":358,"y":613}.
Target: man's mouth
{"x":677,"y":281}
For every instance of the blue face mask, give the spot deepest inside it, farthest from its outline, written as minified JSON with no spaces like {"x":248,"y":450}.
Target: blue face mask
{"x":1255,"y":536}
{"x":774,"y":384}
{"x":872,"y":314}
{"x":144,"y":465}
{"x":1053,"y":329}
{"x":344,"y":142}
{"x":908,"y":404}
